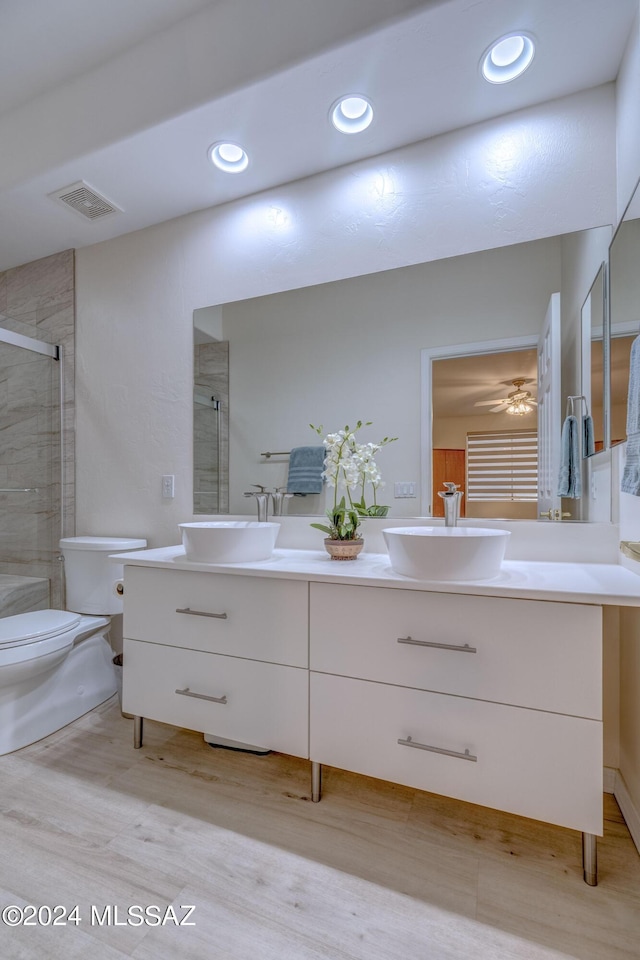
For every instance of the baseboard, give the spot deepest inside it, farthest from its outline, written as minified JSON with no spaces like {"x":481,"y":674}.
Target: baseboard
{"x":609,"y":779}
{"x":628,"y":809}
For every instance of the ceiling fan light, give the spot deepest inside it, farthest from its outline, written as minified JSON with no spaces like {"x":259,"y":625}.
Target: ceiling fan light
{"x":519,"y":408}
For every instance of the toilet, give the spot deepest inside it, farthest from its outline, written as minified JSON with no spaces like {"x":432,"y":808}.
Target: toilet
{"x":56,"y":665}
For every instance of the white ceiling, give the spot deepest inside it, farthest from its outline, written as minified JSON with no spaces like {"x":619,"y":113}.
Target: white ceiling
{"x":128,"y":94}
{"x":458,"y":383}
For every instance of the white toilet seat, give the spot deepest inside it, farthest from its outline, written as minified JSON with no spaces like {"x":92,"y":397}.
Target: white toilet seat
{"x":51,"y":636}
{"x":36,"y":627}
{"x":43,"y":635}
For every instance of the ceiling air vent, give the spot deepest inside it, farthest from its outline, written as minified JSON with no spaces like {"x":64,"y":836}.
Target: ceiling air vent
{"x":85,"y":200}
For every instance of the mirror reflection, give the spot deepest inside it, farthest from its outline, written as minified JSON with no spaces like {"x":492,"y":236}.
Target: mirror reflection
{"x":619,"y":354}
{"x":350,"y":350}
{"x":624,"y":279}
{"x":210,"y":414}
{"x":485,"y":433}
{"x":593,"y":386}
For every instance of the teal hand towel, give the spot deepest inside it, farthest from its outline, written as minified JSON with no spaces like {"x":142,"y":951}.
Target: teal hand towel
{"x":588,"y":443}
{"x":305,"y":470}
{"x":569,"y":481}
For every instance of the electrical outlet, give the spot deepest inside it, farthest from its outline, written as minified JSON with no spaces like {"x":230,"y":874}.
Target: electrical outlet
{"x":168,"y":487}
{"x":404,"y":489}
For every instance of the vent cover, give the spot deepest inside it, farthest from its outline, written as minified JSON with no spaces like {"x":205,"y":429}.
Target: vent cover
{"x":86,"y":201}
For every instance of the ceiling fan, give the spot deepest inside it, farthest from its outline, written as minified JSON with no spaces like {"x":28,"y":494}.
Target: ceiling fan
{"x":518,"y":402}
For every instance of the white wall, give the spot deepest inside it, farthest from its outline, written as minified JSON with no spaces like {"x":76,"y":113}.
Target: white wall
{"x":628,"y":120}
{"x":451,"y":432}
{"x":541,"y":172}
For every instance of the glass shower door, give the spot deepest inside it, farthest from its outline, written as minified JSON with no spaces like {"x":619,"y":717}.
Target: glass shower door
{"x":30,"y":458}
{"x":207,"y":453}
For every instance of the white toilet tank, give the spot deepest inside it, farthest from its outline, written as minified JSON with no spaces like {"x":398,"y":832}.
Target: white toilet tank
{"x":91,"y":576}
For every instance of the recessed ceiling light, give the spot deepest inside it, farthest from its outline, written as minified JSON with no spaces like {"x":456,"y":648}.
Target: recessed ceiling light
{"x":351,"y":114}
{"x":507,"y":58}
{"x":229,"y":157}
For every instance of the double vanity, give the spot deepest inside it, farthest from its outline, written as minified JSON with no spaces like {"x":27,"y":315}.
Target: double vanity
{"x":488,"y":691}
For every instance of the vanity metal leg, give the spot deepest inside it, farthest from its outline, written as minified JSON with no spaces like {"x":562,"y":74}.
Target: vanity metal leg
{"x":316,"y":781}
{"x":137,"y":732}
{"x":590,"y":858}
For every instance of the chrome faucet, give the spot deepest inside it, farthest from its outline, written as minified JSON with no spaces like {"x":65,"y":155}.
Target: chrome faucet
{"x":278,"y":496}
{"x":262,"y":501}
{"x":451,"y":497}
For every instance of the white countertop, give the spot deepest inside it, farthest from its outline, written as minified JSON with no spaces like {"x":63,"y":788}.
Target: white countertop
{"x":596,"y":583}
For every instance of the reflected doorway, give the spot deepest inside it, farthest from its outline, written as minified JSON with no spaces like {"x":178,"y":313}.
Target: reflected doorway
{"x":620,"y":361}
{"x":485,"y":433}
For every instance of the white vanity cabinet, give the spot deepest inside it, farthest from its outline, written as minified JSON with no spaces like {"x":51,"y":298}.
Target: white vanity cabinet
{"x":490,"y":700}
{"x":225,"y":655}
{"x":485,"y":698}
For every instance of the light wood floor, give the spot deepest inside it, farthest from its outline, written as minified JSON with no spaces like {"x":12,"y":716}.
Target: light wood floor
{"x":373,"y":872}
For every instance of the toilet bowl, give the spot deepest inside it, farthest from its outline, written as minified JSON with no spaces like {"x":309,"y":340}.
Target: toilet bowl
{"x":56,"y":665}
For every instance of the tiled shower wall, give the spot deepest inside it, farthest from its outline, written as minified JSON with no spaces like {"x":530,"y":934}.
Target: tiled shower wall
{"x":38,"y":300}
{"x":211,"y":378}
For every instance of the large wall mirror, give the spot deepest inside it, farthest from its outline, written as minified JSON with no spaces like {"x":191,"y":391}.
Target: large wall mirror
{"x":624,"y":313}
{"x":350,"y":350}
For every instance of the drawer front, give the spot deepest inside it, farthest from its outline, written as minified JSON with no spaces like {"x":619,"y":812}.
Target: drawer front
{"x":250,"y":617}
{"x":266,"y":704}
{"x":524,"y":652}
{"x":539,"y":765}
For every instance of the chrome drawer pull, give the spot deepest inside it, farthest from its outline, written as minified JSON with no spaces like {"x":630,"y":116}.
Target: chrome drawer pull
{"x":460,"y":647}
{"x":201,"y":613}
{"x":447,"y":753}
{"x":201,"y":696}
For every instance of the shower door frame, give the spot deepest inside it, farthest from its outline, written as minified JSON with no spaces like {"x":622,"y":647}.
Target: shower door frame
{"x":55,"y":352}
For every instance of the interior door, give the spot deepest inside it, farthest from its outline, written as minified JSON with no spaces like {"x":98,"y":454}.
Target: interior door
{"x":549,"y":409}
{"x":448,"y":466}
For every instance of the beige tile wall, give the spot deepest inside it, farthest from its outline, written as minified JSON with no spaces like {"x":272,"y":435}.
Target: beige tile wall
{"x":211,"y":378}
{"x":37,"y":300}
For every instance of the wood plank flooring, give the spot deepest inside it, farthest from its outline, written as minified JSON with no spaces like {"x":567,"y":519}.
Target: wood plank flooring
{"x":373,"y":872}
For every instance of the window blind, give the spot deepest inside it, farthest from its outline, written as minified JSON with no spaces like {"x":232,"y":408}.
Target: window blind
{"x":502,"y":465}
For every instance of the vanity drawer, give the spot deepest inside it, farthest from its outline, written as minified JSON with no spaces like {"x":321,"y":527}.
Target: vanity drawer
{"x":255,"y":617}
{"x":266,"y":704}
{"x":531,"y":653}
{"x":535,"y":764}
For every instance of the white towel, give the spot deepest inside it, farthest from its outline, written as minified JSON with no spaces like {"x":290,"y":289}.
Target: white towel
{"x":631,"y":475}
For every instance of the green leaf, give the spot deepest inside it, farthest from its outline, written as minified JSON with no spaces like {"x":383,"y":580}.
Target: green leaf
{"x":325,"y":529}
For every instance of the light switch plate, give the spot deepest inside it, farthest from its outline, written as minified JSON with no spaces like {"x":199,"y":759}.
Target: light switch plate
{"x":168,"y":486}
{"x":404,"y":489}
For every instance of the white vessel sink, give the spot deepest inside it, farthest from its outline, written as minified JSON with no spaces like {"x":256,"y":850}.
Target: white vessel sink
{"x":446,"y":553}
{"x":228,"y":541}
